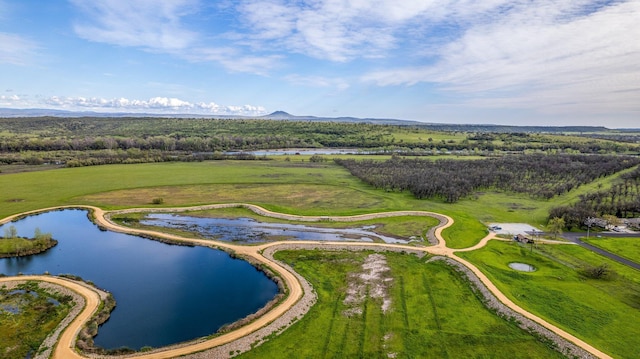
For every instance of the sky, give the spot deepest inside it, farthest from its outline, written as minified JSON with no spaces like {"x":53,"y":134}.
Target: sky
{"x":542,"y":62}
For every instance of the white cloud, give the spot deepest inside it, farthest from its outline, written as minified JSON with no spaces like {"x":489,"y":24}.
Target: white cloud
{"x":553,"y":56}
{"x":161,"y":105}
{"x":150,"y":24}
{"x":16,"y":49}
{"x":9,"y":100}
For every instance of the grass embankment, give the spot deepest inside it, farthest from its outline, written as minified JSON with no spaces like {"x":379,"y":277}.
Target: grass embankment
{"x":624,"y":247}
{"x":433,"y":314}
{"x":27,"y":316}
{"x":603,"y":312}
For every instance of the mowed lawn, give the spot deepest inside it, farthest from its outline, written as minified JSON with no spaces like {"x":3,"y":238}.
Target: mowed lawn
{"x":602,"y":312}
{"x":433,"y":314}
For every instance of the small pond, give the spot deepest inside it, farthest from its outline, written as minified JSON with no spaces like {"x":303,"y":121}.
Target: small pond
{"x":248,"y":230}
{"x":522,"y":267}
{"x":165,"y":293}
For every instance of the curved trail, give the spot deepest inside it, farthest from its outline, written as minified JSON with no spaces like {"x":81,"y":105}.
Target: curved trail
{"x":68,"y":336}
{"x":66,"y":343}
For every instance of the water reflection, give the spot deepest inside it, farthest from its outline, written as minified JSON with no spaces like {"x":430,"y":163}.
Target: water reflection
{"x":248,"y":230}
{"x":165,"y":294}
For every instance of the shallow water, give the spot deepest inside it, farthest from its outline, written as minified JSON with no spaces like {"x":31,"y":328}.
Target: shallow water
{"x":248,"y":230}
{"x":522,"y":267}
{"x":165,"y":293}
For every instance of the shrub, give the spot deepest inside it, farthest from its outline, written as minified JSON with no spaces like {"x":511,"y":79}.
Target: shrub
{"x":158,"y":200}
{"x":598,"y":272}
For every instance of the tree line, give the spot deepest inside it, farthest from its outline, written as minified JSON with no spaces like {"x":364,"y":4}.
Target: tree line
{"x":622,"y":200}
{"x":541,"y":176}
{"x":200,"y":134}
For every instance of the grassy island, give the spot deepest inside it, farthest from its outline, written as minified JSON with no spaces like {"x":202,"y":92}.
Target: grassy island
{"x":13,"y":246}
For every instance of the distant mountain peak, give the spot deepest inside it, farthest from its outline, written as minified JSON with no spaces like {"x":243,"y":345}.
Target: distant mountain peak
{"x":279,"y":115}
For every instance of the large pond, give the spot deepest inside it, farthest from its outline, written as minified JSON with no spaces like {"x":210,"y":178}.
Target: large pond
{"x":247,"y":230}
{"x":165,"y":293}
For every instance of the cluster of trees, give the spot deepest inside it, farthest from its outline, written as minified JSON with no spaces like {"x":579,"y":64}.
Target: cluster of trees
{"x":622,"y":200}
{"x":541,"y":176}
{"x":103,"y":157}
{"x":12,"y":245}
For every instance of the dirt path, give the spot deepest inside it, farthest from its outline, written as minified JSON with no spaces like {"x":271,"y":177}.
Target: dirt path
{"x":65,"y":345}
{"x":66,"y":341}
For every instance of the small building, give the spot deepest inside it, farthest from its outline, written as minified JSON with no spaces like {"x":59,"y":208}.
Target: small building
{"x":522,"y":238}
{"x":632,"y":223}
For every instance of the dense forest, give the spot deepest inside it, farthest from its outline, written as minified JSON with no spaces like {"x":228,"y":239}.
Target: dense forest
{"x":541,"y":176}
{"x":621,"y":200}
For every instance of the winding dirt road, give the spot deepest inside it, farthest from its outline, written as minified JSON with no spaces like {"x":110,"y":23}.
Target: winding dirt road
{"x":66,"y":343}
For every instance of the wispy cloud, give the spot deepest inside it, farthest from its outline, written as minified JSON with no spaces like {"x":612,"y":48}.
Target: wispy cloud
{"x":149,"y":24}
{"x":162,"y":26}
{"x":235,"y":60}
{"x":333,"y":30}
{"x":570,"y":55}
{"x":17,"y":50}
{"x":318,"y":81}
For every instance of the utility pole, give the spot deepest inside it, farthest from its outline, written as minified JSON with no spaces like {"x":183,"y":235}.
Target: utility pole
{"x":590,"y":221}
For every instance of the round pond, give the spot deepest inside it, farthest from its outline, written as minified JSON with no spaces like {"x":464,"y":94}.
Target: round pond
{"x":522,"y":267}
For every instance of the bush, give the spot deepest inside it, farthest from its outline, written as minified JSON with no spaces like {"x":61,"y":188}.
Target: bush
{"x":598,"y":272}
{"x":158,"y":200}
{"x":317,"y":158}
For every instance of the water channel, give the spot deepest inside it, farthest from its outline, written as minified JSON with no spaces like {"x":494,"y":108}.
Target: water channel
{"x":165,"y":293}
{"x":248,"y":230}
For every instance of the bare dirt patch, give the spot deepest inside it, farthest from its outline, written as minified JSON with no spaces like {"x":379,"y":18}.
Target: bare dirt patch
{"x":372,"y":281}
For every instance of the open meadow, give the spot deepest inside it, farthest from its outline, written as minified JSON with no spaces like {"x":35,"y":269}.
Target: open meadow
{"x":422,"y":310}
{"x":602,"y":310}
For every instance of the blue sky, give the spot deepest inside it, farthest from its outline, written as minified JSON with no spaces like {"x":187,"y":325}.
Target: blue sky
{"x":543,"y":62}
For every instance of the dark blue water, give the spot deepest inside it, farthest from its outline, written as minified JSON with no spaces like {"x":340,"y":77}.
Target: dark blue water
{"x":165,"y":294}
{"x":248,"y":230}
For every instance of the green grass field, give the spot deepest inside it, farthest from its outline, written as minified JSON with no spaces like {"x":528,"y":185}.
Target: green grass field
{"x":603,"y":312}
{"x":433,"y":314}
{"x":625,"y":247}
